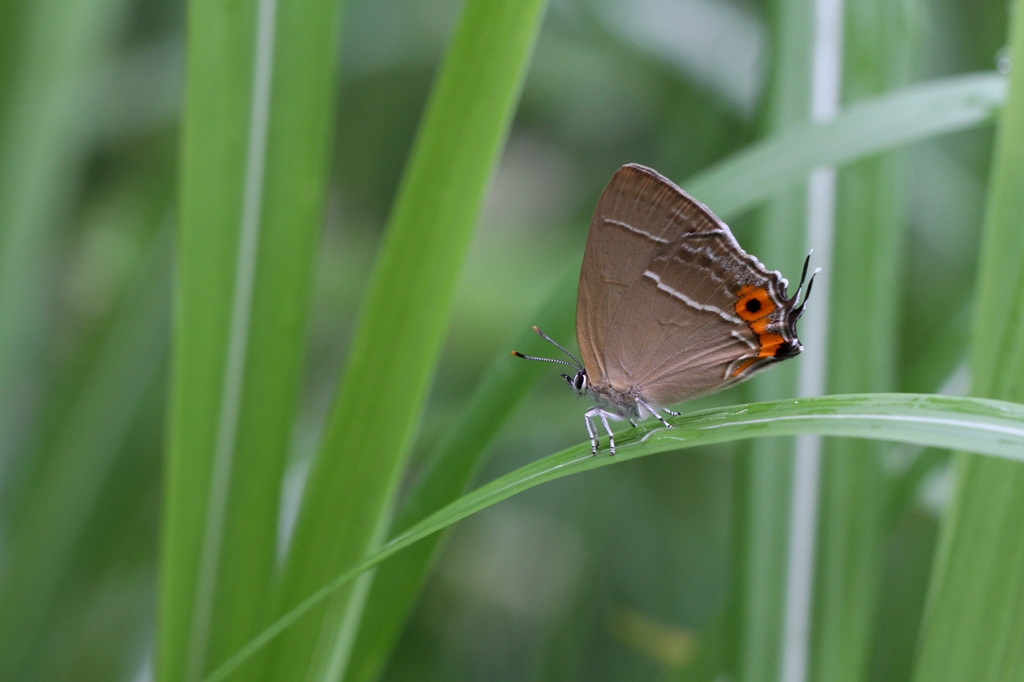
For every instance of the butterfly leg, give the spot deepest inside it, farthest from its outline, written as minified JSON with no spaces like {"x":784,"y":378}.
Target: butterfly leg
{"x":671,"y":412}
{"x":646,"y":406}
{"x":588,"y":420}
{"x":611,"y":436}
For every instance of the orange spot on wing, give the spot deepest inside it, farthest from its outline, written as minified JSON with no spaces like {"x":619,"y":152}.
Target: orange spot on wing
{"x":753,"y":303}
{"x":754,"y":306}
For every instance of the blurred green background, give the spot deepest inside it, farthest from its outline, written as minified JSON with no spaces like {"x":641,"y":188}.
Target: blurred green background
{"x":612,"y":575}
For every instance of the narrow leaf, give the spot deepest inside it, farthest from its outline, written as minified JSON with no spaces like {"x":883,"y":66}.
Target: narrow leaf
{"x":907,"y":115}
{"x":988,"y":427}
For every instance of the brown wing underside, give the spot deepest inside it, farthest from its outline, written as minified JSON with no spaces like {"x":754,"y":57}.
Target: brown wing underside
{"x":656,"y":310}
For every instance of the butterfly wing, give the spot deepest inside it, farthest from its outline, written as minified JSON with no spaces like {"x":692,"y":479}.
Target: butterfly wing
{"x":691,"y":314}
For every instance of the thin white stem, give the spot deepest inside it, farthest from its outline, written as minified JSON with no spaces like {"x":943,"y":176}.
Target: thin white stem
{"x":825,"y":87}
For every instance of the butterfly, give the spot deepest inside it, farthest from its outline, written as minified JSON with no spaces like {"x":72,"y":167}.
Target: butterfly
{"x":670,"y":307}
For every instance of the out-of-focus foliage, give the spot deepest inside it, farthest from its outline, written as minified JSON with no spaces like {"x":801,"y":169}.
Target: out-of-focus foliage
{"x":611,"y":575}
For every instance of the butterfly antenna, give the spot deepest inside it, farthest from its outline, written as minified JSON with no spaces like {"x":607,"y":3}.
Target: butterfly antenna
{"x":530,"y":357}
{"x":579,"y":365}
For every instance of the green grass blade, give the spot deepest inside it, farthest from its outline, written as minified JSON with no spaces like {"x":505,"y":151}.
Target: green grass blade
{"x":881,"y":46}
{"x":990,"y":427}
{"x":974,"y":615}
{"x":347,"y":504}
{"x":257,"y":130}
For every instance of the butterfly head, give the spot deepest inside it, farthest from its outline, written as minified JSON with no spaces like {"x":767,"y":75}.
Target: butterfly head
{"x":578,"y":383}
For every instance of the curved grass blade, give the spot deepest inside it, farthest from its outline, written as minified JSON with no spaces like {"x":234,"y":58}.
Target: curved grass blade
{"x":988,"y":427}
{"x":910,"y":114}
